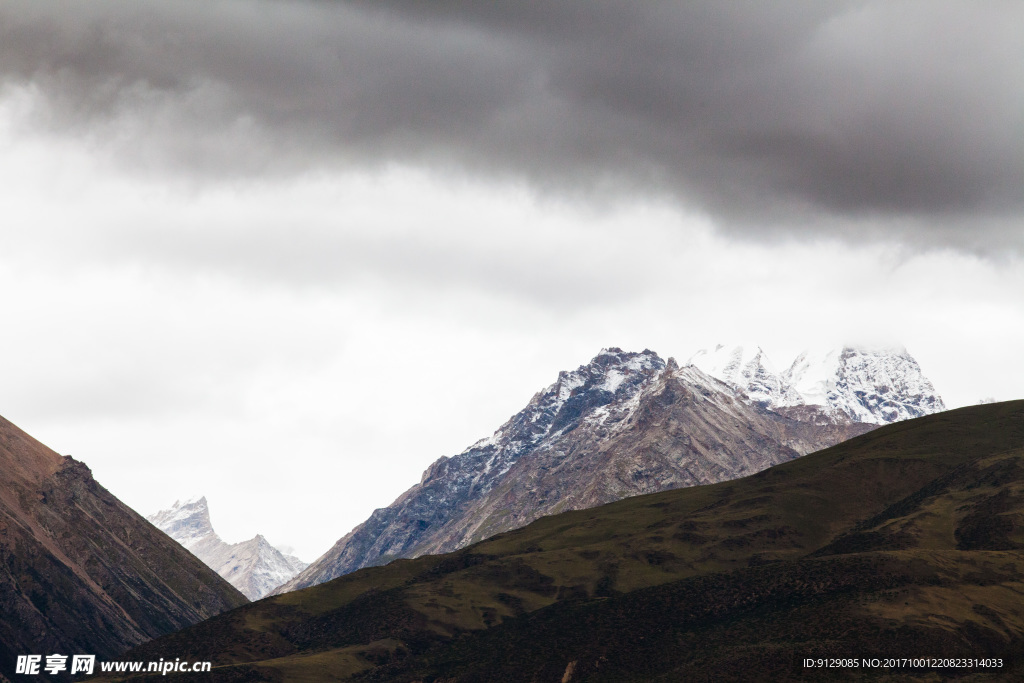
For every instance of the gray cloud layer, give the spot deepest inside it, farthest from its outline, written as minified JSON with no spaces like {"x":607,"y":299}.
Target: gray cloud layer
{"x":908,"y":113}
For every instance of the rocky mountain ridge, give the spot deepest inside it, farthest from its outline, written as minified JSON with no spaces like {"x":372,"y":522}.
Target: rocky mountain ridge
{"x":255,"y":567}
{"x":622,"y":425}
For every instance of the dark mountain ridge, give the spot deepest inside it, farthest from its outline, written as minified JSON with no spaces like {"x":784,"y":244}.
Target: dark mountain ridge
{"x":80,"y":572}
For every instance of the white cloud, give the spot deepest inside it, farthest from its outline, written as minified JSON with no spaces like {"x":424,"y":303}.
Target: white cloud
{"x":300,"y":349}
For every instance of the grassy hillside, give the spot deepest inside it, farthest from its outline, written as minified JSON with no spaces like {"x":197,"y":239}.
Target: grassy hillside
{"x":904,"y":542}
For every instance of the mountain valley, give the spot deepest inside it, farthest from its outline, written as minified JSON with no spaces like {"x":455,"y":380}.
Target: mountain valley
{"x":902,"y":542}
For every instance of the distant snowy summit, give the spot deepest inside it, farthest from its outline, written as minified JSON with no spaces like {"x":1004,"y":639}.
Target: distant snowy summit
{"x":254,"y":567}
{"x":862,"y":384}
{"x":187,"y":522}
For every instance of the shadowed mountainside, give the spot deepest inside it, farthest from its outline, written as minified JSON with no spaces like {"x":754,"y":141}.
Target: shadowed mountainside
{"x":906,"y":541}
{"x":80,"y":572}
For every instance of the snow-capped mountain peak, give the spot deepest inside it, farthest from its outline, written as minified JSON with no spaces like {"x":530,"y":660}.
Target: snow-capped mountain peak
{"x":590,"y":392}
{"x":748,"y":368}
{"x":254,"y":567}
{"x":187,"y":522}
{"x":812,"y":375}
{"x":877,"y":385}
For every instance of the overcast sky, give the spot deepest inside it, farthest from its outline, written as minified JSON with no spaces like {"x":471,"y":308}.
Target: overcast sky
{"x":288,"y":253}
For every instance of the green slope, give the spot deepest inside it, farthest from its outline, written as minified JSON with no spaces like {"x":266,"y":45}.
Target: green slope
{"x":904,"y":542}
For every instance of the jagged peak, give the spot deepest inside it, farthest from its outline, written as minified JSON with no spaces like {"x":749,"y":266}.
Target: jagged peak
{"x":188,"y":522}
{"x":608,"y":359}
{"x":614,"y":352}
{"x":877,"y":349}
{"x":434,"y":467}
{"x":747,"y":368}
{"x":829,"y":359}
{"x":261,"y":542}
{"x":731,"y":362}
{"x":184,"y":508}
{"x":613,"y":375}
{"x":606,"y":371}
{"x":196,"y":501}
{"x":834,"y":354}
{"x":694,"y":376}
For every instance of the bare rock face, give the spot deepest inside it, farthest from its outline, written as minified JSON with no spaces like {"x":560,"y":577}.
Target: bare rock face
{"x":254,"y":567}
{"x":623,"y":425}
{"x":80,"y":572}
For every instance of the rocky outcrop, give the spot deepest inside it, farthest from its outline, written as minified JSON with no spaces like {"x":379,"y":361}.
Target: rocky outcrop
{"x":80,"y":572}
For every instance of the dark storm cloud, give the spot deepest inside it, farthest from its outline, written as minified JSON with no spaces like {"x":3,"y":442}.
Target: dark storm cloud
{"x":758,"y":112}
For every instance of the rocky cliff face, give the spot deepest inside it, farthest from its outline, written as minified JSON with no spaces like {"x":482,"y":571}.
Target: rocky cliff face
{"x":254,"y":567}
{"x":81,"y":572}
{"x":622,"y":425}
